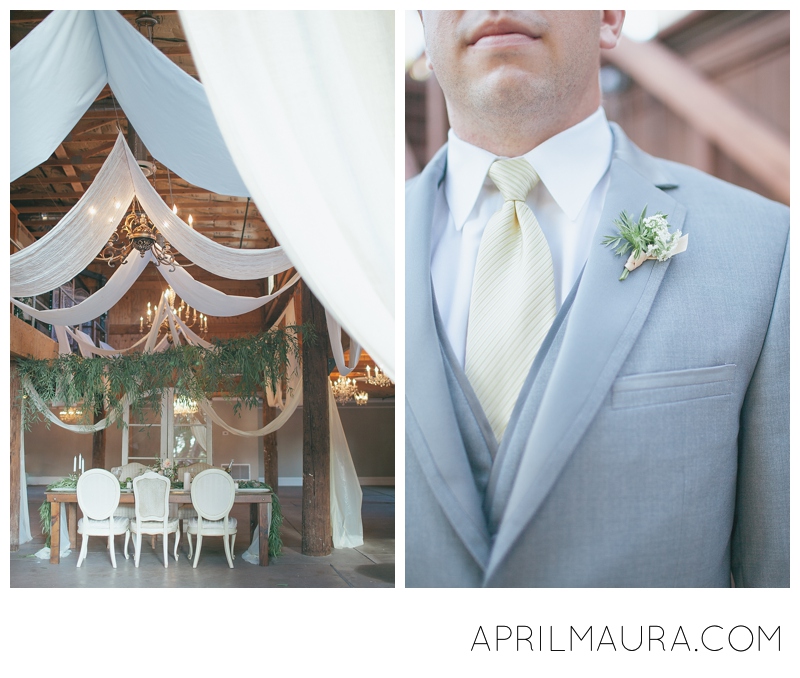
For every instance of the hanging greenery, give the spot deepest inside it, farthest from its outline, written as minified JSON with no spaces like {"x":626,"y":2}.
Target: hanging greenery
{"x":240,"y":368}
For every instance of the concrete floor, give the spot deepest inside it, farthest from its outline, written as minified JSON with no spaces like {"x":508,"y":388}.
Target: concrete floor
{"x":368,"y":566}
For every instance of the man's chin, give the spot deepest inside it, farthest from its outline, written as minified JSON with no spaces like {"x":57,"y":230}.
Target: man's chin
{"x":509,"y":86}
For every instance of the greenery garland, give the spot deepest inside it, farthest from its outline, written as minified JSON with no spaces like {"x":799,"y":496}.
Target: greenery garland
{"x":240,"y":368}
{"x":71,"y":481}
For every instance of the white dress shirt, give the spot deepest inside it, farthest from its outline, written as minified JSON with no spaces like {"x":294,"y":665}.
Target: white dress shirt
{"x":567,"y":201}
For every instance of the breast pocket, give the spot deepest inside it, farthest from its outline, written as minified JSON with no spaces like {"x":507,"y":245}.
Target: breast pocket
{"x":659,"y":388}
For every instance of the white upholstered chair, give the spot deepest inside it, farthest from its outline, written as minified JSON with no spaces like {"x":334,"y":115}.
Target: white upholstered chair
{"x":98,"y":497}
{"x":213,"y":493}
{"x":151,"y":494}
{"x":131,"y":470}
{"x":187,"y":511}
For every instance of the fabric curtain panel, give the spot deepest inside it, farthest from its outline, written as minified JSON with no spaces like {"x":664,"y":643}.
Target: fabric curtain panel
{"x":67,"y":60}
{"x":73,"y":243}
{"x":225,"y":262}
{"x":59,"y":62}
{"x":95,"y":304}
{"x":319,"y":91}
{"x":346,"y":526}
{"x":198,"y":295}
{"x":335,"y":337}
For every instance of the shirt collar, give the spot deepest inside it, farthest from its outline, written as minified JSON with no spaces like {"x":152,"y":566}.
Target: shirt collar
{"x":570,"y":165}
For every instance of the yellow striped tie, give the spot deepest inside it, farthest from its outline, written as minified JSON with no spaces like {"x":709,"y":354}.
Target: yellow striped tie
{"x":513,"y":296}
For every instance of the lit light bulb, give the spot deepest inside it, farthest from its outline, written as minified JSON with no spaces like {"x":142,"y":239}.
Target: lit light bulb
{"x":174,"y":208}
{"x":191,"y":221}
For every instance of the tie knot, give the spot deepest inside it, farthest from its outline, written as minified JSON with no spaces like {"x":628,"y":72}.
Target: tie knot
{"x":513,"y":177}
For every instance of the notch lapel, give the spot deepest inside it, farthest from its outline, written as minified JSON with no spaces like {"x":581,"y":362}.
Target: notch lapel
{"x":605,"y":320}
{"x":431,"y":426}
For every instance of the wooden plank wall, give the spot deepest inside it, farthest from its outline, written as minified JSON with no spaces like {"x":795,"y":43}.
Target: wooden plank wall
{"x":746,"y":53}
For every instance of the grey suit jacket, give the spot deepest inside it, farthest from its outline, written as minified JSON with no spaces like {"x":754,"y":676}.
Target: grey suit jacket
{"x":650,"y":443}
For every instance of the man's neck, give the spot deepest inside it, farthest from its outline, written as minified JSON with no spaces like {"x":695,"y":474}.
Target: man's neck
{"x":512,"y":138}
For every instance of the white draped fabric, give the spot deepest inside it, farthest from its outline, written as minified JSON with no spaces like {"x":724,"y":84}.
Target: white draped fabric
{"x":319,"y":87}
{"x":95,"y":304}
{"x":335,"y":336}
{"x":213,"y":302}
{"x":54,"y":259}
{"x":291,"y":405}
{"x":227,"y":262}
{"x":198,"y":295}
{"x":24,"y":516}
{"x":346,"y":495}
{"x":75,"y":428}
{"x":68,"y":59}
{"x":73,"y":243}
{"x":50,"y":65}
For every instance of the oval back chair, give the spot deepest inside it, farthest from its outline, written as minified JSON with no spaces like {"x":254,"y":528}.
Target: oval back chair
{"x":213,"y":493}
{"x":186,"y":511}
{"x":98,"y":497}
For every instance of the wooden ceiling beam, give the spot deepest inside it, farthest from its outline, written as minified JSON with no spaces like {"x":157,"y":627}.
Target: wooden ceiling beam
{"x":74,"y":160}
{"x":173,"y":50}
{"x":70,"y":178}
{"x":36,"y":209}
{"x":28,"y":16}
{"x":99,"y":150}
{"x":69,"y":170}
{"x":77,"y":131}
{"x":108,"y":114}
{"x":69,"y":195}
{"x":233,"y":203}
{"x":233,"y":227}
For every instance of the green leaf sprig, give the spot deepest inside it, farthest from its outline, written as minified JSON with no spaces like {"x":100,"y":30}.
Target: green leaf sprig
{"x":648,"y":236}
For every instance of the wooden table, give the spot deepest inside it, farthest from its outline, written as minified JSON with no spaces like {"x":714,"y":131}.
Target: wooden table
{"x":260,"y":514}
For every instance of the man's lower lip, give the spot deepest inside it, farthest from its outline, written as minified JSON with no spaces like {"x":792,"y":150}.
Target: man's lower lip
{"x":504,"y":40}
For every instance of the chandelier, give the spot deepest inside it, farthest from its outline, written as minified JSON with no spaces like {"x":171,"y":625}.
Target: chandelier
{"x":361,"y":397}
{"x":378,"y":379}
{"x":188,"y":315}
{"x":344,"y":388}
{"x":183,"y":406}
{"x":142,"y":236}
{"x":71,"y":415}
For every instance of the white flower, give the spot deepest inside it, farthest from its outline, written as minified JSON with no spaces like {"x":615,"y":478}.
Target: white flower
{"x":647,"y":238}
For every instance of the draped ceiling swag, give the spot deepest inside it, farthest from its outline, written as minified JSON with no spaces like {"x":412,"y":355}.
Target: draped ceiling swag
{"x":67,"y":60}
{"x":327,"y":200}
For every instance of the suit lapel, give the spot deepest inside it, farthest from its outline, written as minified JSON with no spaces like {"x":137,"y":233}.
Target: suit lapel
{"x":431,"y":426}
{"x":605,"y":320}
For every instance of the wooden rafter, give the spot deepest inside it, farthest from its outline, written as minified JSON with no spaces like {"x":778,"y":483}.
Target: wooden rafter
{"x":744,"y":137}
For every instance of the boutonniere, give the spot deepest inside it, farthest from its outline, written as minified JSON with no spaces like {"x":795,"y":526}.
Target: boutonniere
{"x":647,"y":238}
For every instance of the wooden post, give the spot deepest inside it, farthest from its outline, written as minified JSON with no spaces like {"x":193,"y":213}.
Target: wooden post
{"x":316,"y":539}
{"x":270,"y":449}
{"x":99,"y":444}
{"x":14,"y":479}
